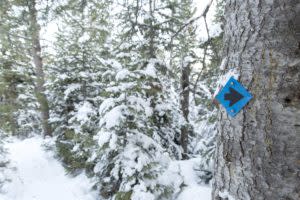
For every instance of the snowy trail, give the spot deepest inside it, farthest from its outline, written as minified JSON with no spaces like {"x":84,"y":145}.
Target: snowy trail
{"x":38,"y":176}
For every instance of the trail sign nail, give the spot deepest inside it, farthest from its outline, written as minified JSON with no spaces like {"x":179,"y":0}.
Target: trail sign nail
{"x":233,"y":96}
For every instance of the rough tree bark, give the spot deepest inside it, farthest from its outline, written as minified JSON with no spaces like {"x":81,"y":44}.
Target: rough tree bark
{"x":38,"y":62}
{"x":258,"y":151}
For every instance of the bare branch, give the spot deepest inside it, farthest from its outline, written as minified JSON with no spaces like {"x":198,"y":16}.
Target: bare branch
{"x":203,"y":14}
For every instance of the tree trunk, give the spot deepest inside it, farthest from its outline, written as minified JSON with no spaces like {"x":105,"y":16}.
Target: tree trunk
{"x":38,"y":62}
{"x":258,"y":151}
{"x":185,"y":103}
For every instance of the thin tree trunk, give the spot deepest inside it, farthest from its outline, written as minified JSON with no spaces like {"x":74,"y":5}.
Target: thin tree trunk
{"x":152,"y":31}
{"x":185,"y":103}
{"x":38,"y":62}
{"x":258,"y":151}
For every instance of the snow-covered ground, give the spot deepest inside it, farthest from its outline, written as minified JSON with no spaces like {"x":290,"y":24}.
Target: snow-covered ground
{"x":39,"y":176}
{"x":195,"y":193}
{"x":193,"y":190}
{"x":36,"y":175}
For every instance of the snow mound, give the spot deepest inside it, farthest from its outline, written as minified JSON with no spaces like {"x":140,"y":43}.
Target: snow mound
{"x":182,"y":175}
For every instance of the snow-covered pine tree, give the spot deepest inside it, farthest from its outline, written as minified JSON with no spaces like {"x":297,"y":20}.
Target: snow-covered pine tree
{"x":193,"y":86}
{"x":80,"y":52}
{"x":204,"y":80}
{"x":204,"y":115}
{"x":129,"y":159}
{"x":182,"y":56}
{"x":138,"y":119}
{"x":18,"y":104}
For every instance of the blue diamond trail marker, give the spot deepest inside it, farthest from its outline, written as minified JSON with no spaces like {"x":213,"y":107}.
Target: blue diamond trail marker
{"x":233,"y":96}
